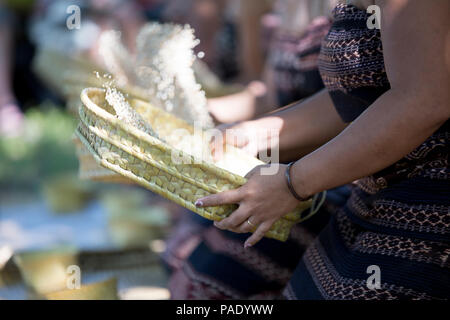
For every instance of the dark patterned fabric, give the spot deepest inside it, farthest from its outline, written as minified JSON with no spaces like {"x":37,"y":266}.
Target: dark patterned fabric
{"x":220,"y":268}
{"x":294,"y":61}
{"x":397,"y":219}
{"x":184,"y":238}
{"x":351,"y":62}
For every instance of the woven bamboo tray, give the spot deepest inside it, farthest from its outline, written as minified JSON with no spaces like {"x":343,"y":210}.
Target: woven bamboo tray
{"x":55,"y":68}
{"x":104,"y":290}
{"x":69,"y":75}
{"x":147,"y":160}
{"x":89,"y":169}
{"x":45,"y":271}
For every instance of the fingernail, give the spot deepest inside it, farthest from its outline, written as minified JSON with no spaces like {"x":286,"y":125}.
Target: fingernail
{"x":199,"y":203}
{"x":247,"y":245}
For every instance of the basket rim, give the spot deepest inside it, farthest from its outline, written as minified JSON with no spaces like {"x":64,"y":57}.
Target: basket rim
{"x":90,"y":113}
{"x":153,"y":163}
{"x":143,"y":182}
{"x":139,"y":134}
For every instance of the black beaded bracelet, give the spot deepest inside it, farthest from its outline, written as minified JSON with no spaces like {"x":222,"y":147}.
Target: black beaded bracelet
{"x":289,"y":183}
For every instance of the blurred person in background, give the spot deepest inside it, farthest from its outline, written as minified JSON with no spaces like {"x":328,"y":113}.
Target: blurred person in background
{"x":49,"y":30}
{"x":229,"y":33}
{"x":30,"y":25}
{"x":206,"y":17}
{"x":16,"y":82}
{"x":292,"y":36}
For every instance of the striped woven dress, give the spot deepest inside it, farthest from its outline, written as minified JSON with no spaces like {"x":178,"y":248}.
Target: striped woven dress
{"x":399,"y":218}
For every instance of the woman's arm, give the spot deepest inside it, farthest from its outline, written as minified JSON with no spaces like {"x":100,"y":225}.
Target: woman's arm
{"x":239,"y":106}
{"x":416,"y":48}
{"x":302,"y":127}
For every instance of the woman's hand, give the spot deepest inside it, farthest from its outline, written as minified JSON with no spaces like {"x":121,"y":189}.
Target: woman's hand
{"x":252,"y":137}
{"x":294,"y":131}
{"x":263,"y":200}
{"x":235,"y":134}
{"x":240,"y":106}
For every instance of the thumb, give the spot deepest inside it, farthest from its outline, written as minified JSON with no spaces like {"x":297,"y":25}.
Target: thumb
{"x":229,"y":134}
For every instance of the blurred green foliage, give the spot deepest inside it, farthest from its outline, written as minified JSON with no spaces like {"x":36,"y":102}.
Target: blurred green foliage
{"x":43,"y":150}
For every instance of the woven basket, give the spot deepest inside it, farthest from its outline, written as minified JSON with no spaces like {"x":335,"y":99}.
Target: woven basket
{"x":45,"y":271}
{"x":147,"y":160}
{"x":104,"y":290}
{"x":89,"y":169}
{"x":66,"y":193}
{"x":69,"y":75}
{"x":55,"y":68}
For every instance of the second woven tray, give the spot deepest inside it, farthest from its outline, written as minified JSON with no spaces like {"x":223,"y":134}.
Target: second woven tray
{"x":147,"y":160}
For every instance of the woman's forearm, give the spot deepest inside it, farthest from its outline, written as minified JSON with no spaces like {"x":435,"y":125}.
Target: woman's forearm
{"x":232,"y":108}
{"x":303,"y":126}
{"x":382,"y":135}
{"x":402,"y":118}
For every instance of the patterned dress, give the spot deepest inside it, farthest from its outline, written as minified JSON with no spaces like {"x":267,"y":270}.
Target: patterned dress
{"x":399,"y":218}
{"x":220,"y":268}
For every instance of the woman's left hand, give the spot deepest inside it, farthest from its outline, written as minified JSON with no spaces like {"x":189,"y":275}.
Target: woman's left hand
{"x":263,"y":200}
